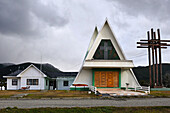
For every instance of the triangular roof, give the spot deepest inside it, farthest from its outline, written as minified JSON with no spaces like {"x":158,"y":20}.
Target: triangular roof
{"x":95,"y":33}
{"x":47,"y":70}
{"x":105,"y":33}
{"x":19,"y":75}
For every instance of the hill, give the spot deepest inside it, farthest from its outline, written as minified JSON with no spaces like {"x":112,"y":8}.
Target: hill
{"x":142,"y":74}
{"x":16,"y":68}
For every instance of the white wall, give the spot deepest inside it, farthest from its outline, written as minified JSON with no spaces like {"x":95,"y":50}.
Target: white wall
{"x":60,"y":81}
{"x":32,"y":73}
{"x":84,"y":77}
{"x":128,"y":77}
{"x":10,"y":86}
{"x":124,"y":78}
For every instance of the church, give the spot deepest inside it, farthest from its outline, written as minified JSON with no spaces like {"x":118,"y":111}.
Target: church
{"x":105,"y":65}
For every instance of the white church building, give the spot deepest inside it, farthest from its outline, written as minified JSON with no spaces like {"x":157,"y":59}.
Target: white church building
{"x":105,"y":65}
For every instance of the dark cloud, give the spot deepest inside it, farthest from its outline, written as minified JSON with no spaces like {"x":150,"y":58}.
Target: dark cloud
{"x":152,"y":9}
{"x":49,"y":13}
{"x":60,"y":31}
{"x":24,"y":17}
{"x":14,"y":17}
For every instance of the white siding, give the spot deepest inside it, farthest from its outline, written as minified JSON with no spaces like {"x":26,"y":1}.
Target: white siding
{"x":60,"y":81}
{"x":10,"y":86}
{"x":84,"y":77}
{"x":128,"y":77}
{"x":32,"y":73}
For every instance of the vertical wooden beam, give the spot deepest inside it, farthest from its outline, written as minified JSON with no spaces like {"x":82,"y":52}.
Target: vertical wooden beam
{"x":160,"y":62}
{"x":156,"y":59}
{"x":153,"y":61}
{"x":149,"y":58}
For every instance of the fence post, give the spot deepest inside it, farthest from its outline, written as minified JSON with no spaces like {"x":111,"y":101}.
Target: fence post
{"x":95,"y":90}
{"x":149,"y":88}
{"x":3,"y":87}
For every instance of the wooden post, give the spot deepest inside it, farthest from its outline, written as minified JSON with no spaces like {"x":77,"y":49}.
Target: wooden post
{"x":149,"y":58}
{"x":153,"y":61}
{"x":154,"y":44}
{"x":160,"y":62}
{"x":156,"y":59}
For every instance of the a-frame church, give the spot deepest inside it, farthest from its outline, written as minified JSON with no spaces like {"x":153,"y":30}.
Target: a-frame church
{"x":105,"y":65}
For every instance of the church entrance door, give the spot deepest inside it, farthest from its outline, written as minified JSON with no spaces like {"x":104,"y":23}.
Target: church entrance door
{"x":106,"y":79}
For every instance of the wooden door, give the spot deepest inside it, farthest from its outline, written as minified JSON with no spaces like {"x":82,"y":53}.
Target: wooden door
{"x":103,"y":79}
{"x":110,"y":82}
{"x":97,"y":78}
{"x":106,"y":79}
{"x":116,"y":79}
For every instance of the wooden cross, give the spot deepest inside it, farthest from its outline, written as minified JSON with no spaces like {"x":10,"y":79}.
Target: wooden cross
{"x":105,"y":48}
{"x":154,"y":45}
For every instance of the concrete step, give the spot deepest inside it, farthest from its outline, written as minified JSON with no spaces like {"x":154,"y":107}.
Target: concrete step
{"x":119,"y":92}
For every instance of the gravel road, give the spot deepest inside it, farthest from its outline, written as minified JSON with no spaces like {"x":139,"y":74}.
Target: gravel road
{"x":32,"y":103}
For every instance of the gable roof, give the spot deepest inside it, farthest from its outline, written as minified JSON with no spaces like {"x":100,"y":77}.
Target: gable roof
{"x":19,"y":75}
{"x":95,"y":33}
{"x":48,"y":70}
{"x":105,"y":33}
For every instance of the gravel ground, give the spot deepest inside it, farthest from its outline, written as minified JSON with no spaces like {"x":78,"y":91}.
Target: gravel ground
{"x":118,"y":102}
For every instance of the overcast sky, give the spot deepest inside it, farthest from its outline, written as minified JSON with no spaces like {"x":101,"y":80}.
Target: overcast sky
{"x":60,"y":30}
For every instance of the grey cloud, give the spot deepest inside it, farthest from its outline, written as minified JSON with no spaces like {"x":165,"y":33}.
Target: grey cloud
{"x":153,"y":9}
{"x":49,"y":13}
{"x":66,"y":28}
{"x":17,"y":17}
{"x":14,"y":17}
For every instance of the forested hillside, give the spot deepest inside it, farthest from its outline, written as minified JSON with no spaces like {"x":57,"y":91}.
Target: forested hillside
{"x":142,"y":74}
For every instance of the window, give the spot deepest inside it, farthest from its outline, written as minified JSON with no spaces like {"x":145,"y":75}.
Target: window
{"x":32,"y":81}
{"x":106,"y":51}
{"x":14,"y":81}
{"x":46,"y":82}
{"x":65,"y":83}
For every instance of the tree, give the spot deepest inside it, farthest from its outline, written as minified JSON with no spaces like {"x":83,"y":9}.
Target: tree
{"x":166,"y":80}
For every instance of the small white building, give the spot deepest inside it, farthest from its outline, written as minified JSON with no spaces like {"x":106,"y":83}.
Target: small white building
{"x":35,"y":79}
{"x":31,"y":76}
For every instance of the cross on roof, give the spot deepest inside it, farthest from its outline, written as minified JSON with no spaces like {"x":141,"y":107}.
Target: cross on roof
{"x":106,"y":47}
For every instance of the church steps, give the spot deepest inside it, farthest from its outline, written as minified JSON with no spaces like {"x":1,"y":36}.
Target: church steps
{"x":119,"y":92}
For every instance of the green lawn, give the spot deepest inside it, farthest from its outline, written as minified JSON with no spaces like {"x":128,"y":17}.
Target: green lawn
{"x":90,"y":110}
{"x":9,"y":93}
{"x":60,"y":94}
{"x":160,"y":93}
{"x":37,"y":94}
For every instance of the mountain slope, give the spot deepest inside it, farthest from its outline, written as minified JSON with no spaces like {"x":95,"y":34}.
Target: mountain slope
{"x":142,"y":74}
{"x":15,"y":69}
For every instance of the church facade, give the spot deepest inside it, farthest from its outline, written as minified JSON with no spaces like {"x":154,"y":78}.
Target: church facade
{"x":105,"y":65}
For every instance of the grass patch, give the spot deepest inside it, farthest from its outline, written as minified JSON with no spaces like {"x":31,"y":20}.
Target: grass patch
{"x":160,"y":93}
{"x":37,"y":94}
{"x":60,"y":94}
{"x":9,"y":93}
{"x":159,"y":109}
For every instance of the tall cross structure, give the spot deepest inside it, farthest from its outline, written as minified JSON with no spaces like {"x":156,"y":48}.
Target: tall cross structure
{"x":154,"y":46}
{"x":106,"y":48}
